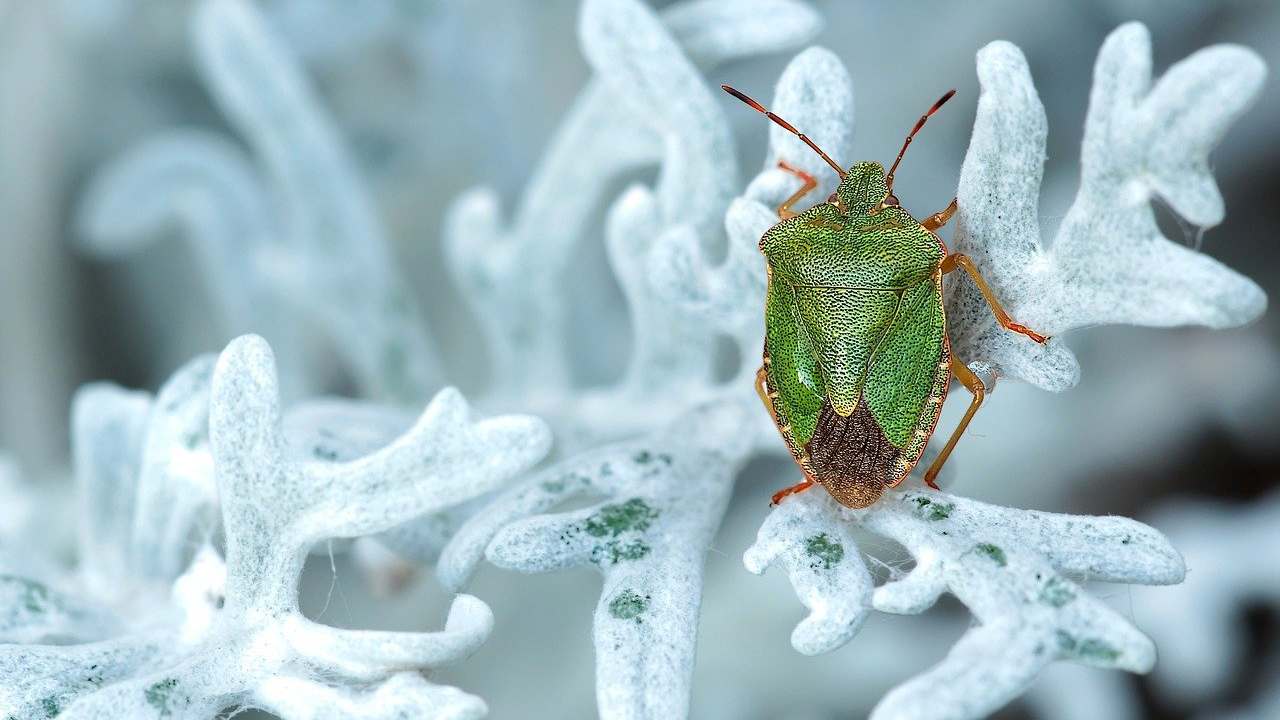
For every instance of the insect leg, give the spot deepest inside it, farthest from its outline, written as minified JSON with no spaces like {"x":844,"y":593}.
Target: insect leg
{"x":974,"y":385}
{"x":761,"y":390}
{"x":784,"y":210}
{"x":954,"y":260}
{"x":797,"y":488}
{"x":938,"y":219}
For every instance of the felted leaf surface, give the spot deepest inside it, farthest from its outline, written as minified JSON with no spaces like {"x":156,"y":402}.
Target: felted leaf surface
{"x":664,"y":496}
{"x":236,"y":636}
{"x":1108,"y":262}
{"x":1018,"y":571}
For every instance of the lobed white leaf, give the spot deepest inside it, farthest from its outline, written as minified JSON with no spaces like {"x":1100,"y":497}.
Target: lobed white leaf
{"x":233,"y":634}
{"x":1108,"y":263}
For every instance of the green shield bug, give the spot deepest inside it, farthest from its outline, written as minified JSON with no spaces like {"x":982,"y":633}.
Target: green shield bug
{"x":856,"y":358}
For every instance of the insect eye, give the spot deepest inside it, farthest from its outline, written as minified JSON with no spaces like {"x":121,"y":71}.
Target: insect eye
{"x":891,"y":200}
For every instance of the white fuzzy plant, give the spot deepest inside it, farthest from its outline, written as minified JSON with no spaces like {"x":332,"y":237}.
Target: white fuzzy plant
{"x":231,"y":634}
{"x":659,"y":451}
{"x":318,"y":256}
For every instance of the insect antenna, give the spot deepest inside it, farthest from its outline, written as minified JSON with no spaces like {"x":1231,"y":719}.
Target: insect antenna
{"x":785,"y":126}
{"x":888,"y":179}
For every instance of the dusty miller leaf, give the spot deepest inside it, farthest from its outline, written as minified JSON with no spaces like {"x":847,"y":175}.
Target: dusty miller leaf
{"x":664,"y":497}
{"x":1018,"y":572}
{"x":1108,"y":262}
{"x":238,"y":637}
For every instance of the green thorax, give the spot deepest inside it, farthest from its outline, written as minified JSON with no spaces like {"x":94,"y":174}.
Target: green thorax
{"x":865,"y":246}
{"x":854,"y":309}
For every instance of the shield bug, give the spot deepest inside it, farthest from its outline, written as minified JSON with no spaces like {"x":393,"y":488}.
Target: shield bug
{"x":856,"y":358}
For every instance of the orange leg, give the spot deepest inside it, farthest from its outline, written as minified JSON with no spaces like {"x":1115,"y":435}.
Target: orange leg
{"x":974,"y":385}
{"x":938,"y":219}
{"x":954,"y":260}
{"x":763,"y":391}
{"x":784,"y":210}
{"x":797,"y":488}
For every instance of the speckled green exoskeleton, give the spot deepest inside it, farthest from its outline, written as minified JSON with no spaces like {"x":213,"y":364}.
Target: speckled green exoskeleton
{"x":856,"y":359}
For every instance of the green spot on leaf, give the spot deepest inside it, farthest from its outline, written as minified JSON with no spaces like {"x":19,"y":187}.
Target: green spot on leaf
{"x":631,"y":551}
{"x":614,"y":552}
{"x":933,"y":511}
{"x":1057,"y":592}
{"x":992,"y":551}
{"x":1098,"y":650}
{"x":1089,"y":648}
{"x":613,"y":520}
{"x":162,"y":696}
{"x":644,"y":457}
{"x":629,"y":605}
{"x":825,"y":552}
{"x":939,"y":511}
{"x":568,"y":481}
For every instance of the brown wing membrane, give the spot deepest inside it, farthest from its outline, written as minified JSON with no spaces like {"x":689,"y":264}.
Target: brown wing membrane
{"x":851,"y":457}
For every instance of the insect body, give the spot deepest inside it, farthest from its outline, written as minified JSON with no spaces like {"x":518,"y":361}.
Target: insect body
{"x":856,"y":359}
